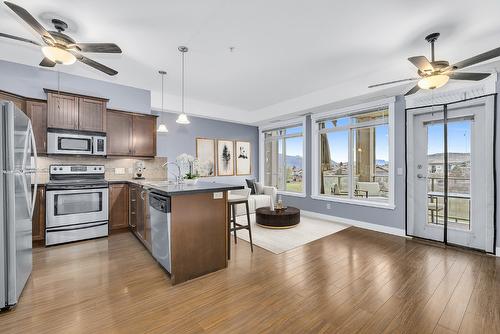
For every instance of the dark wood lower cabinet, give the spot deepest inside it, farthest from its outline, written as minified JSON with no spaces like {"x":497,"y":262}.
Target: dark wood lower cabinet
{"x":38,"y":219}
{"x":140,"y":223}
{"x":118,"y":206}
{"x":132,"y":218}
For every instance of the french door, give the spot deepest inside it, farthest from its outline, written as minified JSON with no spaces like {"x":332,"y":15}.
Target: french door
{"x":450,"y":173}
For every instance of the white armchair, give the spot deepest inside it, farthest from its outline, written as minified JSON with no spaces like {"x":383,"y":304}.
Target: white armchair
{"x":265,"y":196}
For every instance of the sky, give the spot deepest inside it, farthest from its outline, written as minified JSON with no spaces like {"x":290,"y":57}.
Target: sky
{"x":458,"y":137}
{"x":339,"y":142}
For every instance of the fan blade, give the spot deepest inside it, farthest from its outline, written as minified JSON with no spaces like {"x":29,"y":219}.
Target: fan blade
{"x":46,"y":62}
{"x":392,"y":82}
{"x":33,"y":23}
{"x":98,"y":47}
{"x":415,"y":89}
{"x":477,"y":59}
{"x":469,"y":76}
{"x":93,"y":63}
{"x":19,"y":39}
{"x":422,"y":63}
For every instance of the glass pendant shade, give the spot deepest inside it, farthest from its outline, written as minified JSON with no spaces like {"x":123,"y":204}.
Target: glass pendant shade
{"x":58,"y":55}
{"x":182,"y":119}
{"x":433,"y":81}
{"x":162,"y":128}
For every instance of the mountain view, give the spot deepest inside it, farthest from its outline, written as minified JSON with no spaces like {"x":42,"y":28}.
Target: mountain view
{"x":297,"y":161}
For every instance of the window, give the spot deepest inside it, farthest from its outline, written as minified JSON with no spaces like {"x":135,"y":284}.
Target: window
{"x":353,"y":156}
{"x":284,"y":158}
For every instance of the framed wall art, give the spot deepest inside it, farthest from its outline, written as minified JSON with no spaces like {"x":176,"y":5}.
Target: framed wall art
{"x":225,"y":157}
{"x":205,"y":153}
{"x":243,"y":158}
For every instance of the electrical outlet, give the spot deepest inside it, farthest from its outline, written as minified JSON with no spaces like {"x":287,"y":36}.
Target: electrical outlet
{"x":329,"y":206}
{"x":218,"y":195}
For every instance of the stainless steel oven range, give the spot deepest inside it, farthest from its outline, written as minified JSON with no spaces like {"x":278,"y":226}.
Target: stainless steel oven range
{"x":76,"y":203}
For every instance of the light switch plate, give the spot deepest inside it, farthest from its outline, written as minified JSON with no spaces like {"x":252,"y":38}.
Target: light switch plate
{"x":400,"y":171}
{"x":218,"y":195}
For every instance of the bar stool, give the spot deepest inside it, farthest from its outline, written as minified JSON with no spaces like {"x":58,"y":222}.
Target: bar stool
{"x":234,"y":199}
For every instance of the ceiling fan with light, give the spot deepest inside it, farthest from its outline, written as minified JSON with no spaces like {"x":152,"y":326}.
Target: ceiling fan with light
{"x":436,"y":73}
{"x":59,"y":48}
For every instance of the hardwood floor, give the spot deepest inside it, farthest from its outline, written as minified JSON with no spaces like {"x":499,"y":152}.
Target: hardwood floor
{"x":353,"y":281}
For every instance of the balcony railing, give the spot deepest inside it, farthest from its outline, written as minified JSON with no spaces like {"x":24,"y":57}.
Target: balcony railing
{"x":458,"y":200}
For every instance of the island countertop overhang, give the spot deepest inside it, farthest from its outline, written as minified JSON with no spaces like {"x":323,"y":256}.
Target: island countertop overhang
{"x":183,"y":189}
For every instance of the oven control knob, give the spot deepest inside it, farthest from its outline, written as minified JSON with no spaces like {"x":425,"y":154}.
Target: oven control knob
{"x":60,"y":168}
{"x":95,"y":168}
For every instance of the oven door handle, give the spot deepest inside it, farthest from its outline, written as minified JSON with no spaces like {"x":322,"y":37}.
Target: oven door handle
{"x":59,"y":229}
{"x":70,"y":187}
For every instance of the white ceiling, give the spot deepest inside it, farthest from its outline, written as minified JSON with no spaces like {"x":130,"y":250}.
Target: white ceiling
{"x":284,"y":49}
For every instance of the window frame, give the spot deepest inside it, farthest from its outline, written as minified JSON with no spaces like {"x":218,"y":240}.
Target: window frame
{"x":315,"y":150}
{"x":301,"y":121}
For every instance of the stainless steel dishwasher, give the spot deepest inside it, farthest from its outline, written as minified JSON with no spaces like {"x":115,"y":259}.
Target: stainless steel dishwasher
{"x":159,"y":210}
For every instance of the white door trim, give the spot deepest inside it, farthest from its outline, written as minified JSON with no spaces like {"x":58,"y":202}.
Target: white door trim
{"x":488,"y":127}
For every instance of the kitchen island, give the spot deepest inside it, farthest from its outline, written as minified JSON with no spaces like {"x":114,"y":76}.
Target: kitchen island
{"x":197,"y":230}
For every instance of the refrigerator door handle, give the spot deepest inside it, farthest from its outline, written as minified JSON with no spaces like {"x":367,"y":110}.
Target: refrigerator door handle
{"x":29,"y":146}
{"x":33,"y":170}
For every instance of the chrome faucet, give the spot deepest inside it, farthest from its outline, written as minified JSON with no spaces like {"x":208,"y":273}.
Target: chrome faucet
{"x":178,"y":177}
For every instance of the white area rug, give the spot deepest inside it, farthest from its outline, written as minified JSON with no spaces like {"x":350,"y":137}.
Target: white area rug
{"x":282,"y":240}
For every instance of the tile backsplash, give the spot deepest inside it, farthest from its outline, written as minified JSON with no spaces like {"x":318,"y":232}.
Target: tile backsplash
{"x":116,"y":168}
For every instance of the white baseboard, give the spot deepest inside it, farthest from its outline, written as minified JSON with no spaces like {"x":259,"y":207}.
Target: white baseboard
{"x":357,"y":223}
{"x":498,"y":252}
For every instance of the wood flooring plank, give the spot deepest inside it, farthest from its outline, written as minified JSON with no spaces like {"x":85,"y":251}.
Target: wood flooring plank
{"x":352,"y":281}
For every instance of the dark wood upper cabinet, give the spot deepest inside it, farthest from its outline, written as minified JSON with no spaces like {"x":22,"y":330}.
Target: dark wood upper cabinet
{"x":37,"y":112}
{"x":91,"y":115}
{"x":144,"y":135}
{"x":62,"y":111}
{"x":19,"y":101}
{"x":130,"y":134}
{"x":119,"y":133}
{"x":75,"y":112}
{"x":118,"y":206}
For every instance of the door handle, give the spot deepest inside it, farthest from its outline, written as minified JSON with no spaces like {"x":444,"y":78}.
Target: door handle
{"x":421,"y":176}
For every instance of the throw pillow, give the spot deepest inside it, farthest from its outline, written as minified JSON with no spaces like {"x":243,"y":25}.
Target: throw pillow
{"x":259,"y":188}
{"x":251,"y":185}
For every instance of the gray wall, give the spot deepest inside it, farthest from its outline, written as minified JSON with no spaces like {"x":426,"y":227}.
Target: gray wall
{"x":30,"y":81}
{"x":387,"y":217}
{"x":182,"y":139}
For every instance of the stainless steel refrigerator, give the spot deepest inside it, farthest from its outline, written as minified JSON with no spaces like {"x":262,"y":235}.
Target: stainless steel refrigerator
{"x":17,"y":199}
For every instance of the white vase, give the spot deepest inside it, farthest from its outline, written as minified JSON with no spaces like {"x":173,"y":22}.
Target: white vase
{"x":190,"y":182}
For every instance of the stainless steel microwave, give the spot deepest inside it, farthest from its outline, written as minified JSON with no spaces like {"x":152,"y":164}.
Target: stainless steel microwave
{"x":76,"y":143}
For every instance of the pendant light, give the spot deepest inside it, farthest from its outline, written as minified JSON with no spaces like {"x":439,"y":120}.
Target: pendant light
{"x":183,"y":118}
{"x":162,"y":128}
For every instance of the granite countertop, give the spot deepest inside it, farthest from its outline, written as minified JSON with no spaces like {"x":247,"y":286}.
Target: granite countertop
{"x":200,"y":187}
{"x":174,"y":189}
{"x":182,"y":189}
